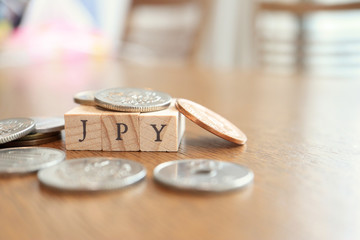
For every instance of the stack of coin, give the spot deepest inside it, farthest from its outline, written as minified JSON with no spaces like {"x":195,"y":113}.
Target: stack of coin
{"x":19,"y":132}
{"x":125,"y":99}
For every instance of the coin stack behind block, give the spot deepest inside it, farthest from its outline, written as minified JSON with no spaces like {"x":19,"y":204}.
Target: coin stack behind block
{"x":89,"y":128}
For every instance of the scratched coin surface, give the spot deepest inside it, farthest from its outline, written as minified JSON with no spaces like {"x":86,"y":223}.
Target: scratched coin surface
{"x":49,"y":124}
{"x":211,"y":121}
{"x":28,"y":159}
{"x":92,"y":174}
{"x":85,"y":98}
{"x":15,"y":128}
{"x":132,"y":99}
{"x":203,"y":175}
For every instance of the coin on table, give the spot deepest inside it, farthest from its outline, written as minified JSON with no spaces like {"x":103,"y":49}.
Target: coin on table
{"x":15,"y":128}
{"x":28,"y":159}
{"x":203,"y":175}
{"x":85,"y":98}
{"x":49,"y":124}
{"x":211,"y":121}
{"x":92,"y":174}
{"x":132,"y":99}
{"x":33,"y":142}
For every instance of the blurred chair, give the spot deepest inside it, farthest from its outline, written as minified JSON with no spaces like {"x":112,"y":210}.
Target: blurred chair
{"x":161,"y":31}
{"x":296,"y":34}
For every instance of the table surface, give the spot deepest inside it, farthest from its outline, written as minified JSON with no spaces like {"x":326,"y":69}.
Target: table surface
{"x":303,"y":146}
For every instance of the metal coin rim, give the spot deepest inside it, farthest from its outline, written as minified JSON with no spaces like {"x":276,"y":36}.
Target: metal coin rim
{"x":246,"y":180}
{"x":56,"y":128}
{"x":31,"y":170}
{"x":37,"y":135}
{"x":205,"y":126}
{"x":18,"y":134}
{"x":34,"y":142}
{"x":131,"y":180}
{"x":122,"y":108}
{"x":83,"y":101}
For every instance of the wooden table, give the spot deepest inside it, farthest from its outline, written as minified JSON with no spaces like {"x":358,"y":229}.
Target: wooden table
{"x":303,"y":146}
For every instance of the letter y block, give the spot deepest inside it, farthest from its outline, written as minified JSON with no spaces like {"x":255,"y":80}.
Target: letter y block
{"x":161,"y":130}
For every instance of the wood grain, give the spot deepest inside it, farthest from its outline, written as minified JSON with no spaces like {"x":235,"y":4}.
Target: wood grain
{"x":83,"y":128}
{"x":120,"y":131}
{"x":303,"y":146}
{"x":162,"y":130}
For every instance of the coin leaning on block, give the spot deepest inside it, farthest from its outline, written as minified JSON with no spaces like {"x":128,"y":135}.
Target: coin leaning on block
{"x":211,"y":121}
{"x":203,"y":175}
{"x":28,"y":159}
{"x":15,"y":128}
{"x":132,"y":99}
{"x":85,"y":98}
{"x":92,"y":174}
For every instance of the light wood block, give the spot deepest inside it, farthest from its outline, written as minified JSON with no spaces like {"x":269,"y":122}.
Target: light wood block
{"x":83,"y":128}
{"x":120,"y":131}
{"x":161,"y":130}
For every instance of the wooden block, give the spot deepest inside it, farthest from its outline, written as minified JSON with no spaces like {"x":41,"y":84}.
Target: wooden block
{"x":83,"y":128}
{"x":161,"y":130}
{"x":120,"y":131}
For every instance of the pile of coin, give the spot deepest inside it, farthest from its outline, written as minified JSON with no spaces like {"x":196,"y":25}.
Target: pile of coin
{"x":145,"y":100}
{"x":19,"y":132}
{"x":100,"y":173}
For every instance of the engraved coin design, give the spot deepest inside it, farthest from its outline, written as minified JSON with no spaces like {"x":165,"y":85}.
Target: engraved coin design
{"x":49,"y":124}
{"x":15,"y":128}
{"x":85,"y":98}
{"x":28,"y":159}
{"x":211,"y":121}
{"x":132,"y":99}
{"x":93,"y":174}
{"x":203,"y":175}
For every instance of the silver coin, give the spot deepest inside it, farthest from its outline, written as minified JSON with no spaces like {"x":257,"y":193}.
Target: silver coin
{"x":28,"y":159}
{"x":132,"y":99}
{"x":15,"y":128}
{"x":85,"y":98}
{"x":203,"y":175}
{"x":92,"y":174}
{"x":49,"y":124}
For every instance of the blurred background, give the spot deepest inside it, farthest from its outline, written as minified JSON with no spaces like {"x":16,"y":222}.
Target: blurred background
{"x":315,"y":37}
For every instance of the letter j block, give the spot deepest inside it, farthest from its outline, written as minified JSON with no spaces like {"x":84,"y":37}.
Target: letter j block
{"x":83,"y":128}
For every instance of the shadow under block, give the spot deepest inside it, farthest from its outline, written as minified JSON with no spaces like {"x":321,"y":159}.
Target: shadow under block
{"x":161,"y":130}
{"x":83,"y":128}
{"x":89,"y":128}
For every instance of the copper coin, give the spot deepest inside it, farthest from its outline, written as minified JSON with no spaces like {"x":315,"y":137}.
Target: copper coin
{"x":211,"y":121}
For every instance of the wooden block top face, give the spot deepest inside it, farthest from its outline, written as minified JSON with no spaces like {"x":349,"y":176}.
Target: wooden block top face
{"x":159,"y":130}
{"x":84,"y":110}
{"x":83,"y":128}
{"x":120,"y":131}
